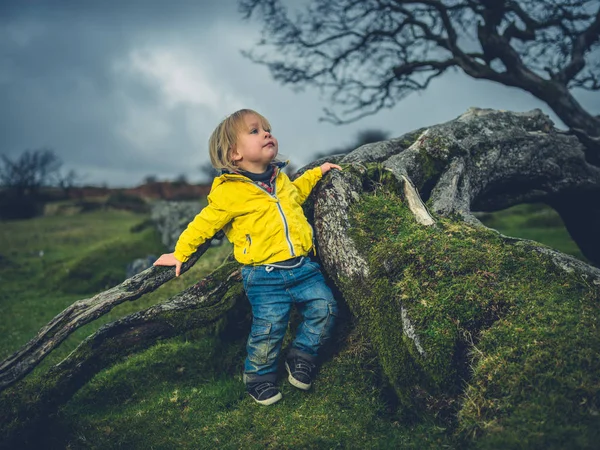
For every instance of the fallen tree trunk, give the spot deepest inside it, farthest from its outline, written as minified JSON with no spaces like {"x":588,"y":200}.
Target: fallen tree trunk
{"x":82,"y":312}
{"x":469,"y":324}
{"x":487,"y":160}
{"x":456,"y":312}
{"x":492,"y":333}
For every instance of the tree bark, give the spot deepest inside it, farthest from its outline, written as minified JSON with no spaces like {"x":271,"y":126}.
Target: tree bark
{"x":580,"y":122}
{"x":340,"y":258}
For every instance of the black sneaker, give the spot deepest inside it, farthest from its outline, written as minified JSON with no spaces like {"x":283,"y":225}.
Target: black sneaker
{"x":263,"y":392}
{"x":301,"y":372}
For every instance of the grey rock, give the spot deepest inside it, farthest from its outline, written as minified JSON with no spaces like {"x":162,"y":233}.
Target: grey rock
{"x":172,"y":217}
{"x":139,"y":265}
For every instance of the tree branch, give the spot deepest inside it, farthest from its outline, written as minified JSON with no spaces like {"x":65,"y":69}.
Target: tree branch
{"x":581,"y":45}
{"x":199,"y":305}
{"x":410,"y":67}
{"x":82,"y":312}
{"x":350,"y":52}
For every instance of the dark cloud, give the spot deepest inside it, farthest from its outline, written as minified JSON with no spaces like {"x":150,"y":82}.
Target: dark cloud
{"x":127,"y":12}
{"x":62,"y":86}
{"x":124,"y":89}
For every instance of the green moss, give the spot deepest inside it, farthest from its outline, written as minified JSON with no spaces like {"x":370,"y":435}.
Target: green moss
{"x":507,"y":337}
{"x":409,"y":139}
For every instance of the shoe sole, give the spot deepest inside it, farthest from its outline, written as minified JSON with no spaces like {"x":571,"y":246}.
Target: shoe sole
{"x":268,"y":401}
{"x":294,"y":382}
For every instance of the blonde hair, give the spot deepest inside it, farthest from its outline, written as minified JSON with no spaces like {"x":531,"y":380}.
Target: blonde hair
{"x":224,"y":138}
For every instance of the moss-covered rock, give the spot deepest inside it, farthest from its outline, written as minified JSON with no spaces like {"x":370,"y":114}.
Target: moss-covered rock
{"x":491,"y":336}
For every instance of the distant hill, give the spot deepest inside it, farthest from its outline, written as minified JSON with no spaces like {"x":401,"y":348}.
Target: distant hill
{"x":159,"y":190}
{"x":53,"y":200}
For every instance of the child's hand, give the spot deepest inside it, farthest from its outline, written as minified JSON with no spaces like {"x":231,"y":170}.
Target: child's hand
{"x":169,"y":260}
{"x":328,"y":166}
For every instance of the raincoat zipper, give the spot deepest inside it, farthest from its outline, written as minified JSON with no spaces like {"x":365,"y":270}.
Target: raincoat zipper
{"x":286,"y":229}
{"x":280,"y":209}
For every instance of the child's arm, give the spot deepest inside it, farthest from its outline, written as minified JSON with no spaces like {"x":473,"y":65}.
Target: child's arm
{"x":307,"y":181}
{"x":204,"y":226}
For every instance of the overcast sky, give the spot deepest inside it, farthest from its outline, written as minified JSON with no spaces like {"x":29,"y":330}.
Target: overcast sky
{"x":123,"y":89}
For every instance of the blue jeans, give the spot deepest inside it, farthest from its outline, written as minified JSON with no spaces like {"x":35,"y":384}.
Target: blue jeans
{"x":272,"y":292}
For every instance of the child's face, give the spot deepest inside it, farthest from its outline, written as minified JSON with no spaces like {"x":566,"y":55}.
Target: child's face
{"x":255,"y":147}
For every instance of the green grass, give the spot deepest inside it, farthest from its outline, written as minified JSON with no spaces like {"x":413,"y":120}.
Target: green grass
{"x":185,"y":392}
{"x":83,"y":254}
{"x":537,"y":222}
{"x":189,"y":394}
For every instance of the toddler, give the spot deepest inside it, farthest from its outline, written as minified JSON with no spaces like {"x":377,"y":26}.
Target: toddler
{"x":260,"y":210}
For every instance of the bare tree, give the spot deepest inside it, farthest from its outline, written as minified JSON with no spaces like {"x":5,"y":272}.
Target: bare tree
{"x":24,"y":177}
{"x":150,"y":179}
{"x":30,"y":171}
{"x":67,"y":181}
{"x":370,"y":54}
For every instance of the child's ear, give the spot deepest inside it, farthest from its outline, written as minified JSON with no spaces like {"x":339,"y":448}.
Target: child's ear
{"x":235,"y":156}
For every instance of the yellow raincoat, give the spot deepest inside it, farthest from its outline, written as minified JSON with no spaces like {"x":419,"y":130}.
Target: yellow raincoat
{"x":264,"y":228}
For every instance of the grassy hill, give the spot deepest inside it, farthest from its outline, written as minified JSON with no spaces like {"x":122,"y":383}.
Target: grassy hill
{"x":187,"y":392}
